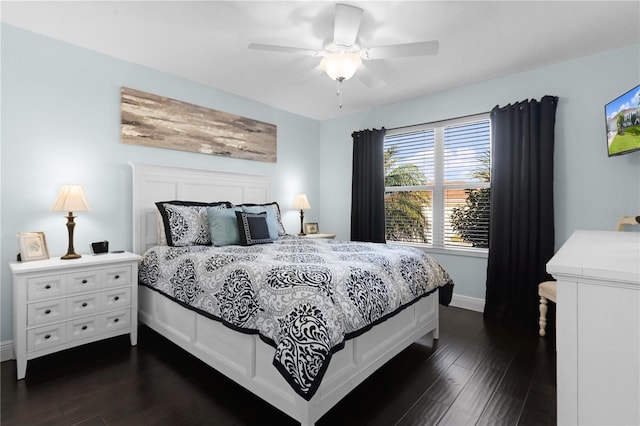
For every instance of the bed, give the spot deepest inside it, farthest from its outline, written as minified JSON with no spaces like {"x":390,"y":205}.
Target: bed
{"x":290,"y":338}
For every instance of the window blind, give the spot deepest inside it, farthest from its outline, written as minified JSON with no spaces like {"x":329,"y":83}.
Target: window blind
{"x":438,"y":179}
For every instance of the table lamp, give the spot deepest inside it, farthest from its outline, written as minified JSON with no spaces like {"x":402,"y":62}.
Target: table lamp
{"x":71,"y":199}
{"x":301,"y":202}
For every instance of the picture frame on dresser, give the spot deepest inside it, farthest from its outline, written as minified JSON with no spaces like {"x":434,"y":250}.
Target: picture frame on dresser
{"x":311,"y":228}
{"x":32,"y":246}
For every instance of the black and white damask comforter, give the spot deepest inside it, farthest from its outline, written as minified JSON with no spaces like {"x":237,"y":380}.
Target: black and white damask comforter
{"x":303,"y":296}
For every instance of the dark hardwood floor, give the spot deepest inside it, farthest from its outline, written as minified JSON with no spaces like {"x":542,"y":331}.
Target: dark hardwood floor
{"x":478,"y":372}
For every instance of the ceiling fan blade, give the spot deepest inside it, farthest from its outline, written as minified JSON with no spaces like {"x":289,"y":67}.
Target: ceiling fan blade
{"x":420,"y":48}
{"x":346,"y":24}
{"x":369,"y":78}
{"x":285,"y":49}
{"x":305,"y":76}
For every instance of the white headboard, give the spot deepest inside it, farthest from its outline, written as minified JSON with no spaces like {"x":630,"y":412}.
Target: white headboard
{"x":152,"y":183}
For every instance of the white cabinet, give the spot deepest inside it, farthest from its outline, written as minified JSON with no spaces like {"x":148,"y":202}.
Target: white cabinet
{"x":598,"y":328}
{"x":59,"y":304}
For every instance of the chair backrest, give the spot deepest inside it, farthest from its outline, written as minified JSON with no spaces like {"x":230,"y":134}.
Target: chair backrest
{"x":627,"y":220}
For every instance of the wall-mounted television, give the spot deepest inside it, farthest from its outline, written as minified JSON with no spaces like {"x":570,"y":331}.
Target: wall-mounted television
{"x":623,"y":123}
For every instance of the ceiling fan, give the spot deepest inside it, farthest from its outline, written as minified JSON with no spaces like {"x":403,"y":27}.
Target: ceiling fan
{"x":342,"y":54}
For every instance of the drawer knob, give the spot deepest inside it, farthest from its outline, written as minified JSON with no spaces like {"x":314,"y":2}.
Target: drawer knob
{"x":116,"y":320}
{"x":47,"y":312}
{"x":84,"y":281}
{"x":116,"y":277}
{"x":47,"y":336}
{"x":116,"y":298}
{"x":84,"y":327}
{"x":48,"y":286}
{"x":84,"y":304}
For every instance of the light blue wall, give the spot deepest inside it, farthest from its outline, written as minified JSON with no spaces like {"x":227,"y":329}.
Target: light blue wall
{"x":61,"y":124}
{"x":591,"y":190}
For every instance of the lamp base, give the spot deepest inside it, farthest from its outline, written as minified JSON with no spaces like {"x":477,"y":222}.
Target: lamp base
{"x":71,"y":253}
{"x":301,"y":222}
{"x":71,"y":256}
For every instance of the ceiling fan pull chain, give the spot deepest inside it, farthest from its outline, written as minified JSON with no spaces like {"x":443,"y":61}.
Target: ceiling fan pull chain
{"x":339,"y":90}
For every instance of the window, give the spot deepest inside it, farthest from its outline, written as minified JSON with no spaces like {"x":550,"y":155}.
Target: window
{"x":437,"y":183}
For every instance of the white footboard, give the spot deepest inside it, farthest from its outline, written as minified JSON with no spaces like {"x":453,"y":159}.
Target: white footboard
{"x":248,"y":361}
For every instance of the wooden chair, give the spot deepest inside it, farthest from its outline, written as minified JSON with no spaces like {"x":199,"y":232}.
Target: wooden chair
{"x":627,"y":220}
{"x":547,"y":289}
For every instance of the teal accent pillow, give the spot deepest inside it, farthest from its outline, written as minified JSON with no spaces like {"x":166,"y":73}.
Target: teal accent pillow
{"x":272,"y":217}
{"x":223,"y":226}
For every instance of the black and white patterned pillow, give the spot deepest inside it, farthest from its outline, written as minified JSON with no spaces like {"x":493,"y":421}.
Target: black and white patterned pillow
{"x":273,"y":207}
{"x":185,"y":222}
{"x":162,"y":236}
{"x":253,"y":228}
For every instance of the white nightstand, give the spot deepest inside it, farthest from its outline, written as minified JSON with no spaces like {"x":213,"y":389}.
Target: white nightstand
{"x":59,"y":304}
{"x":329,"y":236}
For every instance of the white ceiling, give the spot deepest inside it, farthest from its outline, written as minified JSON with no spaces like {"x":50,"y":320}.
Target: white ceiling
{"x":206,"y":41}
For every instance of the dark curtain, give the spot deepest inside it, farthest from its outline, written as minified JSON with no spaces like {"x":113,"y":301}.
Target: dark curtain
{"x":367,"y":190}
{"x":521,"y":235}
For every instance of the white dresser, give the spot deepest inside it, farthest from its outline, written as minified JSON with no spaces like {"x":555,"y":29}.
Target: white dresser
{"x":59,"y":304}
{"x":598,"y":328}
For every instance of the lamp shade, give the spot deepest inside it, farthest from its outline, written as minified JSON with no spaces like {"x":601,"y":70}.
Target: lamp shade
{"x":341,"y":66}
{"x":301,"y":202}
{"x":71,"y":199}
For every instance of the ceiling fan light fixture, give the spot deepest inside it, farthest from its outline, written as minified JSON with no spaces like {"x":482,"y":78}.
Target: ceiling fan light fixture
{"x":341,"y":66}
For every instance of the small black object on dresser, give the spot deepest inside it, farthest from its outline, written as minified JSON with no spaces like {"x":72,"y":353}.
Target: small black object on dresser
{"x":100,"y":247}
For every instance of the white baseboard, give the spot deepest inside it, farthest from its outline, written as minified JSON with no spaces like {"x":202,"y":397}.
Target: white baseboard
{"x":467,"y":302}
{"x":6,"y":351}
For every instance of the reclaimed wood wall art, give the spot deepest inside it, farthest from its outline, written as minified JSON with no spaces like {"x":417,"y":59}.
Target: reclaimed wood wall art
{"x":157,"y":121}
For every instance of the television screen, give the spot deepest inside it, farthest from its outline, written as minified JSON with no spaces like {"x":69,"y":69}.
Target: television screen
{"x":623,"y":123}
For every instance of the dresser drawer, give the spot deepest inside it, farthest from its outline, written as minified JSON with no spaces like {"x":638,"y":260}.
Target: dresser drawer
{"x":84,"y":304}
{"x":116,"y":298}
{"x":46,"y":311}
{"x":46,"y":287}
{"x":117,"y":276}
{"x":83,"y":281}
{"x":113,"y":321}
{"x":46,"y":336}
{"x":84,"y":327}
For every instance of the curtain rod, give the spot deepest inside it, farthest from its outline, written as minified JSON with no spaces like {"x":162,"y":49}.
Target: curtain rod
{"x":438,"y":121}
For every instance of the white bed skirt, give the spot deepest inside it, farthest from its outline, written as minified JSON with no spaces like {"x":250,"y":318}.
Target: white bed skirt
{"x":248,"y":361}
